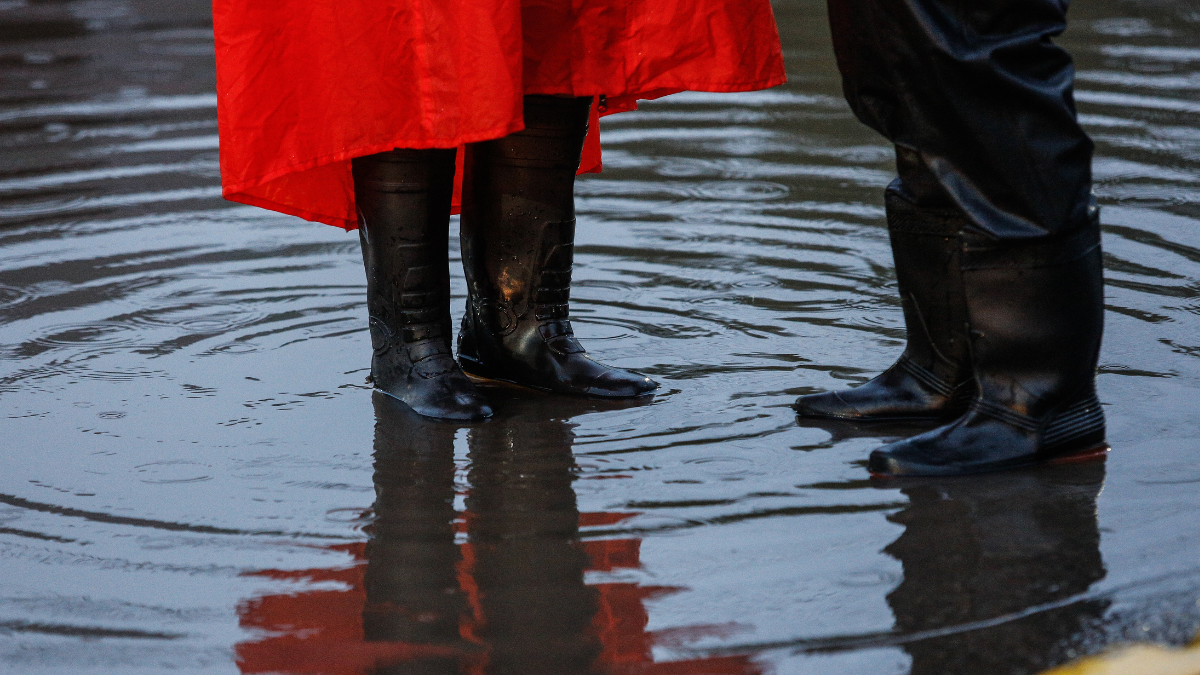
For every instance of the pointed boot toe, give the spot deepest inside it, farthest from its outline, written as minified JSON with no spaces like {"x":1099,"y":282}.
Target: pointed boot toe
{"x":441,"y":402}
{"x":461,"y":407}
{"x":445,"y":405}
{"x":618,"y":383}
{"x":464,"y":405}
{"x":644,"y":386}
{"x":894,"y":396}
{"x":933,"y":453}
{"x":446,"y":393}
{"x":826,"y":405}
{"x":882,"y":463}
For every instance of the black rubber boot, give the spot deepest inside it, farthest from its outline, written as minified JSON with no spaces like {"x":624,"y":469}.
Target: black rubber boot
{"x":1036,"y":314}
{"x":932,"y":378}
{"x":518,"y":234}
{"x":403,"y":199}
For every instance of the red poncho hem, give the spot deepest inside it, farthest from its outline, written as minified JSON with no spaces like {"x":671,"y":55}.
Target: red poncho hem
{"x":238,"y":192}
{"x":304,"y":86}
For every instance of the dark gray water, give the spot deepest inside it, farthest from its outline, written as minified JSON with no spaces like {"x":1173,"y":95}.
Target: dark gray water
{"x":195,"y":478}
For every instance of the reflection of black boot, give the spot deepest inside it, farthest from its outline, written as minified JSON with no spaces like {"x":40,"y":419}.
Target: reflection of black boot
{"x":1036,"y":314}
{"x":528,"y":562}
{"x":518,"y":234}
{"x":996,"y":568}
{"x":411,"y":580}
{"x":932,"y":378}
{"x":403,"y":199}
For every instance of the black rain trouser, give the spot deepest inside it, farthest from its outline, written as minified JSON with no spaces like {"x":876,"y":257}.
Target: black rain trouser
{"x":978,"y":102}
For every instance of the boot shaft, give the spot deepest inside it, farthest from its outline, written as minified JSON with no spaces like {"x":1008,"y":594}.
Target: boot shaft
{"x":411,"y":189}
{"x":926,"y":251}
{"x":528,"y":175}
{"x":403,"y":200}
{"x":1037,"y":319}
{"x":518,"y":223}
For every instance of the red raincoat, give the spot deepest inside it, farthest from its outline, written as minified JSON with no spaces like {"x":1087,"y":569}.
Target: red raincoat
{"x":305,"y":85}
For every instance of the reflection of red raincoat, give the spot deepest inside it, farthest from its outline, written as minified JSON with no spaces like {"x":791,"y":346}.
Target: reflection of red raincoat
{"x":320,"y":632}
{"x":306,"y":85}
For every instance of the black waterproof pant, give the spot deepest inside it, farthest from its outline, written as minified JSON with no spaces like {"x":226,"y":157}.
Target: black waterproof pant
{"x":978,"y":102}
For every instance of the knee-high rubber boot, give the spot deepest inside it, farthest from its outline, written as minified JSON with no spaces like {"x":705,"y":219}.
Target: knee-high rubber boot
{"x":518,"y":234}
{"x":403,"y":199}
{"x":932,"y":378}
{"x":1036,"y":314}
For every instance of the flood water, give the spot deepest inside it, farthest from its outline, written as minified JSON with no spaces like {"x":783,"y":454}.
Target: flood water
{"x":195,"y":478}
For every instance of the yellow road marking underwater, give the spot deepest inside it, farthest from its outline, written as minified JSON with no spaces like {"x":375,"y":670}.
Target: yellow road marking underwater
{"x":1137,"y":660}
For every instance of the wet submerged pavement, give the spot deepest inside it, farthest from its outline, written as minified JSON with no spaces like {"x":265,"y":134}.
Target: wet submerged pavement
{"x":194,"y":476}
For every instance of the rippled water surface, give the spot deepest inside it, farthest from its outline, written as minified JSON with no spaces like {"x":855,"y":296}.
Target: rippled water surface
{"x":194,"y":476}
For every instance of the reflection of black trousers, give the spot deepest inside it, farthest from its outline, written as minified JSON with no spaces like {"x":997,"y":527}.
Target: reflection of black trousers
{"x":997,"y":569}
{"x":977,"y":100}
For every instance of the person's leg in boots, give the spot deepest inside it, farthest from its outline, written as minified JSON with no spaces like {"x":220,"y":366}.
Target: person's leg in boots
{"x":403,"y":200}
{"x":518,"y":235}
{"x":932,"y":379}
{"x":977,"y":99}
